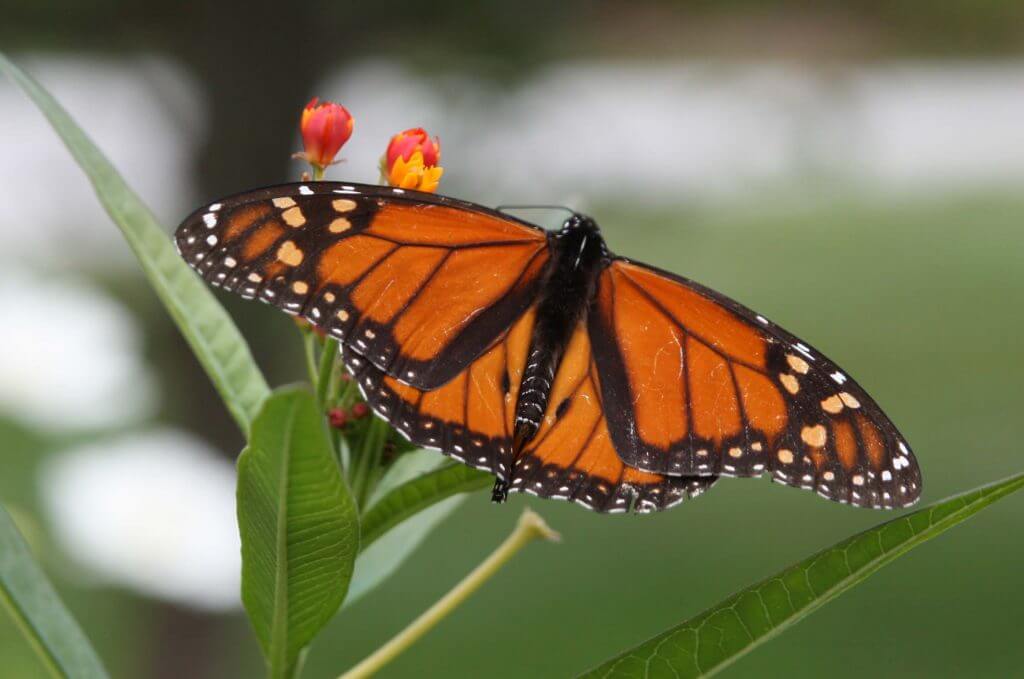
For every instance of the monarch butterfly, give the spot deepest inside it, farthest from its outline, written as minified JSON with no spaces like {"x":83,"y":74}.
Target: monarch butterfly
{"x":541,"y":357}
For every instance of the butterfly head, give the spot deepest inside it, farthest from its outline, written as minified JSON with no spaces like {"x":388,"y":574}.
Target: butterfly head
{"x":578,"y":223}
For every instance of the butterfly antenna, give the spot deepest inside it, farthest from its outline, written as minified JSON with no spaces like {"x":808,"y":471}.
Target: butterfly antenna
{"x":505,"y":208}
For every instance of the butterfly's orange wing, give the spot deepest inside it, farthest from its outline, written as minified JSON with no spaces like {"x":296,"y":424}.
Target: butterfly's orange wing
{"x":418,"y":284}
{"x":471,"y":419}
{"x":694,"y":383}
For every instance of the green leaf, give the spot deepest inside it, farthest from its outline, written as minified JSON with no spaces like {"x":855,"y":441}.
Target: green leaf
{"x":206,"y":326}
{"x":39,"y":612}
{"x":711,"y":641}
{"x":416,"y":495}
{"x":299,"y":527}
{"x":377,"y":562}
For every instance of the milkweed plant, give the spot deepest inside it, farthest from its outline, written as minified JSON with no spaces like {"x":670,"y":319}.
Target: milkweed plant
{"x":322,"y":484}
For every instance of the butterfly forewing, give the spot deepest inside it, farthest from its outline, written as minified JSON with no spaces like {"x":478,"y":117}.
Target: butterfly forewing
{"x":694,"y":383}
{"x":420,"y":285}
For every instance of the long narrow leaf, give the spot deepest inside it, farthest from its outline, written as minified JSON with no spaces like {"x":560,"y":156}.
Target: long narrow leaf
{"x":39,"y":612}
{"x":717,"y":637}
{"x":206,"y":326}
{"x":299,"y":527}
{"x":416,"y":495}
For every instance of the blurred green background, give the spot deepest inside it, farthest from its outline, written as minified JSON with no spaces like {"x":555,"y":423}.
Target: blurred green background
{"x":853,"y":171}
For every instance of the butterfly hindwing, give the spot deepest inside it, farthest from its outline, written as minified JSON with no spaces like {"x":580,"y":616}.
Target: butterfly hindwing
{"x":418,"y":284}
{"x":571,"y":457}
{"x":694,"y":383}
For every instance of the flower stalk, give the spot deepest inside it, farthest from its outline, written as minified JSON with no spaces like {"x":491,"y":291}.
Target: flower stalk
{"x":367,"y":459}
{"x":325,"y":373}
{"x":530,"y":527}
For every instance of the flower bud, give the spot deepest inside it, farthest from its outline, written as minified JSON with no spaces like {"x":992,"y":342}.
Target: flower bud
{"x":325,"y":128}
{"x":337,"y":417}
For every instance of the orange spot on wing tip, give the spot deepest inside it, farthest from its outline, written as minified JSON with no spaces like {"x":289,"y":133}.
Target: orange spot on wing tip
{"x":797,"y":364}
{"x":343,"y":205}
{"x":832,"y":405}
{"x":293,"y":217}
{"x":849,"y":400}
{"x":814,"y":435}
{"x":290,"y":254}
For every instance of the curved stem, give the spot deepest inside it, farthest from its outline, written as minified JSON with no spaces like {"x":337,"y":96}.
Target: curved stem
{"x":370,"y":452}
{"x":328,"y":354}
{"x":529,"y":528}
{"x":309,"y":349}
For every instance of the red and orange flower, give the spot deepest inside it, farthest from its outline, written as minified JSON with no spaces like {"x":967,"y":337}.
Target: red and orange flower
{"x":412,"y":161}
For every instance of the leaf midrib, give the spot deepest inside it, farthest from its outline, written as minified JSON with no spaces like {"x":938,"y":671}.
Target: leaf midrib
{"x":279,"y":634}
{"x":32,"y":633}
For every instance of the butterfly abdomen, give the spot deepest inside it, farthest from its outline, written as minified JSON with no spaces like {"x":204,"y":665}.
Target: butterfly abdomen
{"x":575,"y":266}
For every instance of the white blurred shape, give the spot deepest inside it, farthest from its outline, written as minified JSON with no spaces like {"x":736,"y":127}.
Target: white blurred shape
{"x":668,"y":132}
{"x":956,"y":123}
{"x":69,"y":355}
{"x":143,"y":113}
{"x":154,"y":512}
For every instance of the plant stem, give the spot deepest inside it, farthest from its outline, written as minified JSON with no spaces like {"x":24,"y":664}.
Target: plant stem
{"x":347,"y":391}
{"x":323,"y":381}
{"x":309,"y":348}
{"x":368,"y":458}
{"x":529,"y":528}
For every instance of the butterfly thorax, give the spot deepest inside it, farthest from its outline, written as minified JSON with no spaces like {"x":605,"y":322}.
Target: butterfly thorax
{"x":578,"y":256}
